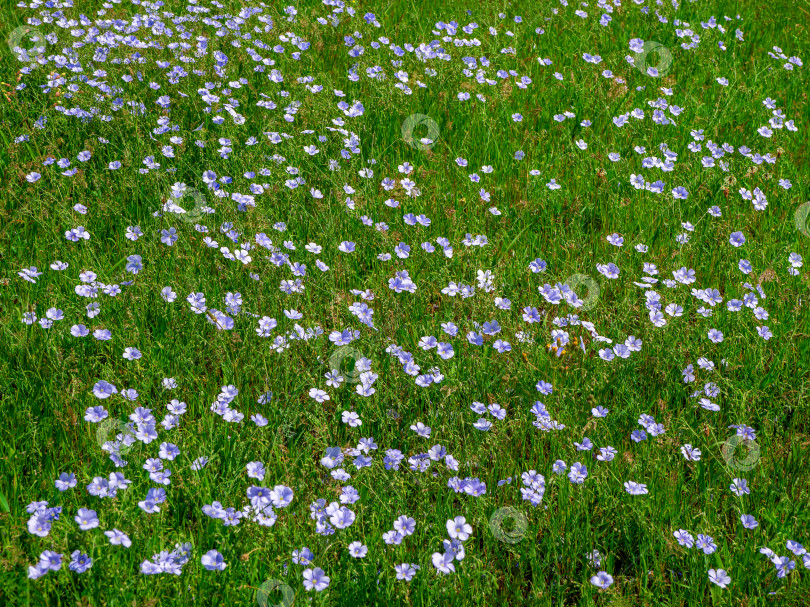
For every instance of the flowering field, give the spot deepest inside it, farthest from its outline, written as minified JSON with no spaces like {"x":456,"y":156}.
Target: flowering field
{"x":446,"y":303}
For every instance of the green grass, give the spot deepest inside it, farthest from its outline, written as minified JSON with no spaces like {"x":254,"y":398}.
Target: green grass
{"x":47,"y":376}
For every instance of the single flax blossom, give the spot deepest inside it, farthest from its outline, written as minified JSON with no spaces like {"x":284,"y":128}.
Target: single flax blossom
{"x":602,"y":580}
{"x":719,"y":577}
{"x":315,"y":579}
